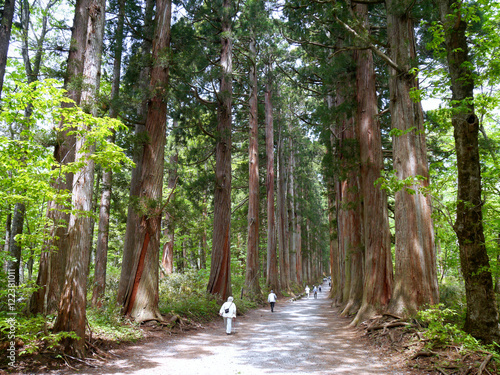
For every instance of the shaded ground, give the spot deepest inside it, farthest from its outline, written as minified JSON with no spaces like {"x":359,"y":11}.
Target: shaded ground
{"x":300,"y":337}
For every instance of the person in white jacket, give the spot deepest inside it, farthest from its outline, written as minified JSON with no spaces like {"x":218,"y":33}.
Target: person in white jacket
{"x":228,"y":312}
{"x":271,"y":298}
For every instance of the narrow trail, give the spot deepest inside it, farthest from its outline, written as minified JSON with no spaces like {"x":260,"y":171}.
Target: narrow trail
{"x":301,"y":337}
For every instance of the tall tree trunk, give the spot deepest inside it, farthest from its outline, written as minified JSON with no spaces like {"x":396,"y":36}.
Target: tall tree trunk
{"x":141,"y":296}
{"x":72,"y":305}
{"x":291,"y":212}
{"x":415,"y":278}
{"x":219,"y":282}
{"x":377,"y":237}
{"x":5,"y":31}
{"x":353,"y":240}
{"x":53,"y":259}
{"x":272,"y":265}
{"x":167,"y":259}
{"x":298,"y":239}
{"x":14,"y":245}
{"x":481,"y":319}
{"x":331,"y":157}
{"x":131,"y":241}
{"x":8,"y":229}
{"x":282,"y":215}
{"x":204,"y":244}
{"x":252,"y":264}
{"x":101,"y":256}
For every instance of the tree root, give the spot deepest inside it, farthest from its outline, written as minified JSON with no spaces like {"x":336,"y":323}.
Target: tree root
{"x":389,"y":325}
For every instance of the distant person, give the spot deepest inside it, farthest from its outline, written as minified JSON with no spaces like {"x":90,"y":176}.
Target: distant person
{"x":228,"y":312}
{"x":272,"y":298}
{"x":315,"y":291}
{"x":319,"y":288}
{"x":307,"y":291}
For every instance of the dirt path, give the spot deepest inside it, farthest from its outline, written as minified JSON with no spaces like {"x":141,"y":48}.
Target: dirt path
{"x":301,"y":337}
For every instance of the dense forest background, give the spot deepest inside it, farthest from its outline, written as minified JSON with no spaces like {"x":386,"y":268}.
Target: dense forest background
{"x":157,"y":150}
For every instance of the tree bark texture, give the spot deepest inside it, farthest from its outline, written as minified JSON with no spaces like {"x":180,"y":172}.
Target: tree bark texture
{"x":298,"y":239}
{"x":284,"y":262}
{"x":351,"y":213}
{"x":252,"y":263}
{"x":378,"y":274}
{"x":131,"y":241}
{"x":219,"y":282}
{"x":5,"y":31}
{"x":481,"y":319}
{"x":101,"y":255}
{"x":14,"y":245}
{"x":331,"y":156}
{"x":292,"y":220}
{"x":167,"y":259}
{"x":53,"y":259}
{"x":72,"y":305}
{"x":415,"y":278}
{"x":272,"y":261}
{"x":141,"y":297}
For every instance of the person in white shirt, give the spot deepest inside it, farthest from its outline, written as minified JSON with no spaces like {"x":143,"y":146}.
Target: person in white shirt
{"x":307,"y":290}
{"x":272,"y":298}
{"x":228,"y":312}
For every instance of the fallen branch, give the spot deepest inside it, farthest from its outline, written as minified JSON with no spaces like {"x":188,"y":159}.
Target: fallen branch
{"x":484,"y":364}
{"x":441,"y":371}
{"x":79,"y":360}
{"x":106,"y":354}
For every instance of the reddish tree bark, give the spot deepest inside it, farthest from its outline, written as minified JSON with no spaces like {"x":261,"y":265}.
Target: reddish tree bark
{"x":378,"y":261}
{"x":415,"y":278}
{"x":291,"y":225}
{"x":252,"y":263}
{"x":352,"y":221}
{"x":141,"y":296}
{"x":131,"y":241}
{"x":284,"y":259}
{"x":272,"y":265}
{"x":219,"y":282}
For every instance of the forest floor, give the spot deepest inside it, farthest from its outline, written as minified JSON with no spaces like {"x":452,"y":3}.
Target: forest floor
{"x":305,"y":336}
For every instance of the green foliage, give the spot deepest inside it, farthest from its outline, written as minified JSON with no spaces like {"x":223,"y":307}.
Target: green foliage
{"x":108,"y":323}
{"x":32,"y":332}
{"x":442,"y":328}
{"x":392,"y":183}
{"x":184,"y":294}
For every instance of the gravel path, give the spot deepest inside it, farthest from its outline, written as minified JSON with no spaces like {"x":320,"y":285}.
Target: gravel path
{"x":301,"y":337}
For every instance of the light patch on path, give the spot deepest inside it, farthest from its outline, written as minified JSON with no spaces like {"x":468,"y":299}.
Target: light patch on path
{"x":301,"y":337}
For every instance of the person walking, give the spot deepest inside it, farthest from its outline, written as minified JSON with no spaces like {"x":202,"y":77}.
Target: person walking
{"x":272,"y":298}
{"x":315,"y":291}
{"x":307,"y":290}
{"x":228,"y":312}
